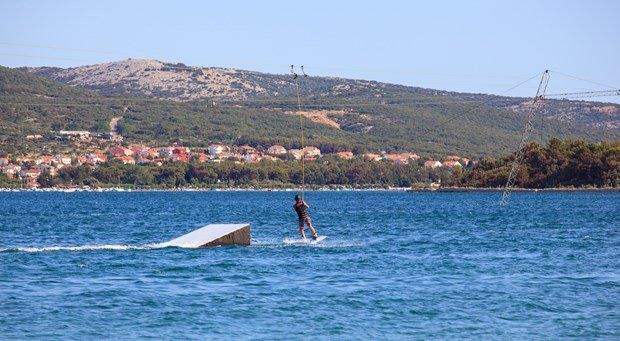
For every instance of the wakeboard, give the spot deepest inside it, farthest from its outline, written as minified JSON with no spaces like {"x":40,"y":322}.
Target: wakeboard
{"x":305,"y":240}
{"x":315,"y":241}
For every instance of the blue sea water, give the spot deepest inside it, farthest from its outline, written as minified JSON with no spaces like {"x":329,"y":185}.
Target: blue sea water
{"x":394,"y":266}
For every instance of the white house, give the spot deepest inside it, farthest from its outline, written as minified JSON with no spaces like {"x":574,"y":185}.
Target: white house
{"x":451,"y":164}
{"x":62,"y":159}
{"x":432,"y":164}
{"x":276,"y":150}
{"x":32,"y":173}
{"x":217,"y":149}
{"x":166,"y":152}
{"x":296,"y":153}
{"x":81,"y":134}
{"x":251,"y":158}
{"x":311,"y":151}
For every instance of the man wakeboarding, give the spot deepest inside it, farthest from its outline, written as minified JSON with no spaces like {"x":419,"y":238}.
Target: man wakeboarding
{"x":301,"y":208}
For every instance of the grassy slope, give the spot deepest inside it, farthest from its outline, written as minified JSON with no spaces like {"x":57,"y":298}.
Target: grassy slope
{"x":429,"y":129}
{"x":19,"y":120}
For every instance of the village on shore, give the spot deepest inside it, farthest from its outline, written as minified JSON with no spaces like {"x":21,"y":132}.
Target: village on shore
{"x":91,"y":150}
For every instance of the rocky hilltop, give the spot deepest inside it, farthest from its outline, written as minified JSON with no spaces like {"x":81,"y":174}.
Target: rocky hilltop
{"x":155,"y":79}
{"x":179,"y":82}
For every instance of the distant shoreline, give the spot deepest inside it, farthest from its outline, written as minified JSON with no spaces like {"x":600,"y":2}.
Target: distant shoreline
{"x":292,"y":189}
{"x":553,"y":189}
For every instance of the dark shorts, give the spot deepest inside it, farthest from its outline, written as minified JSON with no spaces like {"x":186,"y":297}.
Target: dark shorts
{"x":305,"y":220}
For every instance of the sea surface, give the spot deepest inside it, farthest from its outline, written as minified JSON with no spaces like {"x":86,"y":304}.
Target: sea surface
{"x":395,"y":265}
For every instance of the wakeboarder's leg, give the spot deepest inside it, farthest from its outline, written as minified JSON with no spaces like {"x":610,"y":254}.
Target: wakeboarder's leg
{"x":315,"y":235}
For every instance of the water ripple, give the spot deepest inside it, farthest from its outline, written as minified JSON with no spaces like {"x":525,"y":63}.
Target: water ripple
{"x":394,"y":266}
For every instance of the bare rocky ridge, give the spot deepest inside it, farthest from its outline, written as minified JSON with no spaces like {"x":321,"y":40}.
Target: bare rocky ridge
{"x":593,"y":114}
{"x":179,"y":82}
{"x":155,"y":79}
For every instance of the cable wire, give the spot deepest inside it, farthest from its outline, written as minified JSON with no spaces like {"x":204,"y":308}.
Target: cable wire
{"x":301,"y":130}
{"x":584,"y":80}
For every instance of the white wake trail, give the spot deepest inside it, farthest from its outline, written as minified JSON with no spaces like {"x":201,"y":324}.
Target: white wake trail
{"x":116,"y":247}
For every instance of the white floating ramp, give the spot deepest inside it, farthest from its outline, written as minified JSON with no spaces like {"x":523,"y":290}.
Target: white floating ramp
{"x":213,"y":235}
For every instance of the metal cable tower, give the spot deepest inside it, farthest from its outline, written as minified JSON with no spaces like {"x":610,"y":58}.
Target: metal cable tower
{"x":301,"y":127}
{"x":536,"y":102}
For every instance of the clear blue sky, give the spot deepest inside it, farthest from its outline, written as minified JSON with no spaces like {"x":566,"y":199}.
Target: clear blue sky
{"x":473,"y":46}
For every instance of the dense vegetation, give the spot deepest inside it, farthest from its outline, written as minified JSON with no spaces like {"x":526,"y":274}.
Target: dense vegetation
{"x":7,"y":182}
{"x":558,"y":164}
{"x":33,"y":105}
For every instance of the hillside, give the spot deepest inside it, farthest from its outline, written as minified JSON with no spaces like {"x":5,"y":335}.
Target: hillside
{"x":259,"y":109}
{"x":19,"y":117}
{"x":179,"y":82}
{"x":32,"y":105}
